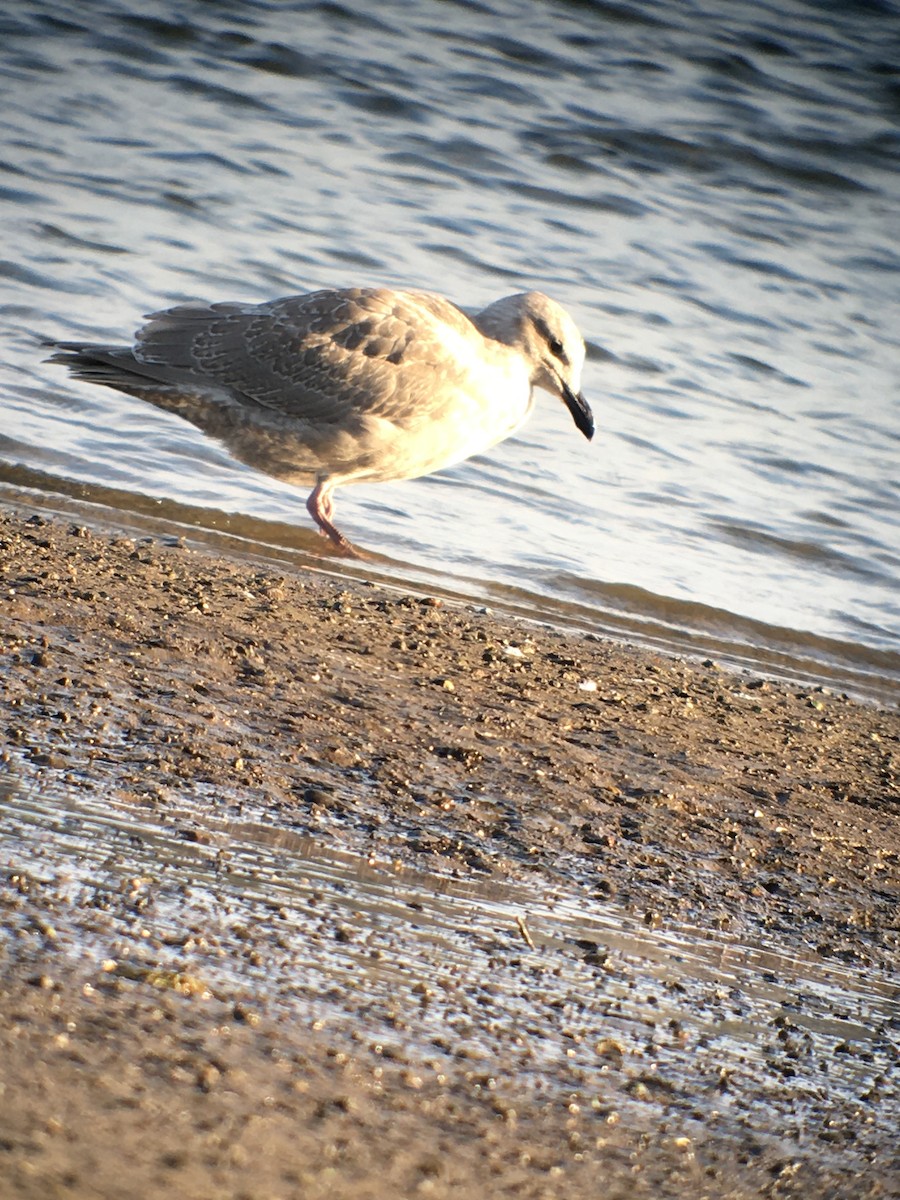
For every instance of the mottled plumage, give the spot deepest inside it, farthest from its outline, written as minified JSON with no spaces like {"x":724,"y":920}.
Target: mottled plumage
{"x":335,"y":387}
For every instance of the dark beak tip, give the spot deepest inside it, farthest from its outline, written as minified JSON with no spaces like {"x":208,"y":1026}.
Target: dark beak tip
{"x":581,"y":412}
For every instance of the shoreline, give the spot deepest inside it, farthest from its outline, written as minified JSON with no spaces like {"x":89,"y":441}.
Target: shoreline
{"x":443,"y":739}
{"x":792,"y":656}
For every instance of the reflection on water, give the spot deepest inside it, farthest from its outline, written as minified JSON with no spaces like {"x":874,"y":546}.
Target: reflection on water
{"x":327,"y":924}
{"x":710,"y":190}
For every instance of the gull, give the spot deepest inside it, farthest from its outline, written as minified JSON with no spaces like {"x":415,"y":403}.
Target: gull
{"x":353,"y":385}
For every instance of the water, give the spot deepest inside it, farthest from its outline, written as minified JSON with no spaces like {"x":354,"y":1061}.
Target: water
{"x":318,"y":934}
{"x":711,"y":190}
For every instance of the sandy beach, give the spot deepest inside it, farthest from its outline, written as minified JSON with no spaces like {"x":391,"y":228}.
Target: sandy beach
{"x":617,"y":839}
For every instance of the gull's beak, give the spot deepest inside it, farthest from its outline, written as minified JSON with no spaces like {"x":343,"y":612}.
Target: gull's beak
{"x":580,"y":410}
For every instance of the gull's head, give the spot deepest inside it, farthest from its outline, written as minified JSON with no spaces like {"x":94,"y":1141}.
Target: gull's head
{"x":548,"y":339}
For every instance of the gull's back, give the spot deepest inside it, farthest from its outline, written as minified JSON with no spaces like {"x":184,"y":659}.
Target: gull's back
{"x":335,"y":375}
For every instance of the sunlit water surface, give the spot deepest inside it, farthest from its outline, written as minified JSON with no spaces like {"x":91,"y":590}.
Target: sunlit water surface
{"x":556,"y":979}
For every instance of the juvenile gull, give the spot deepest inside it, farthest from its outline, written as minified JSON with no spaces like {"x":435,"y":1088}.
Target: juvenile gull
{"x":351,"y":386}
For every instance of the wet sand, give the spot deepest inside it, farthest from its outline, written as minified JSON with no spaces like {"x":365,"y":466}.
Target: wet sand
{"x":167,"y":1023}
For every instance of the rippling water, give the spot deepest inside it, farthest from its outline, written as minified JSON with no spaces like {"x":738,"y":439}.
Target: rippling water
{"x":711,"y":190}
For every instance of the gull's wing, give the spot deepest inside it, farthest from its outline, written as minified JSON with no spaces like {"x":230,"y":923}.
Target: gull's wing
{"x":319,"y":357}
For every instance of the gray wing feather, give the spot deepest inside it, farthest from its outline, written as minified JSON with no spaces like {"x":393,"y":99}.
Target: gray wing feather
{"x":321,"y":357}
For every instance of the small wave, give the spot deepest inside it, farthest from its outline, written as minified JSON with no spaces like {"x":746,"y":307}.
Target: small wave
{"x":278,"y":59}
{"x":54,"y":233}
{"x":381,"y":102}
{"x":698,"y":629}
{"x":607,"y":202}
{"x":809,"y":552}
{"x":195,"y":85}
{"x":17,"y":273}
{"x":20,"y":196}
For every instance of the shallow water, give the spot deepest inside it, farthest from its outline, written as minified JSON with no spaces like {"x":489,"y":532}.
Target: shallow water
{"x":713,"y":194}
{"x":335,"y":936}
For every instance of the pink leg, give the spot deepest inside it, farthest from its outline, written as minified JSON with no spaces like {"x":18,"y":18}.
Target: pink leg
{"x":320,"y":507}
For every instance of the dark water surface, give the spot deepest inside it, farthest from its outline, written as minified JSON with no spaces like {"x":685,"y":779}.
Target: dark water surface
{"x":711,"y":189}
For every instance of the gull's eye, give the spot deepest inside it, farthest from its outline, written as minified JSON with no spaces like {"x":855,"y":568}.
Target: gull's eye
{"x":554,"y":344}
